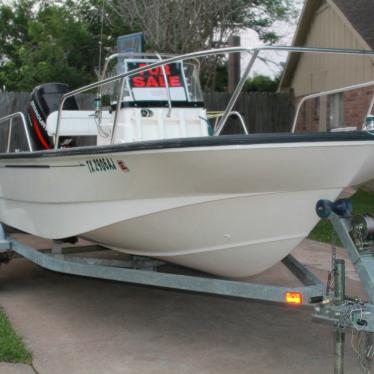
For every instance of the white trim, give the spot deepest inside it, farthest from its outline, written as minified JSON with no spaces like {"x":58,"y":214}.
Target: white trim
{"x":322,"y":8}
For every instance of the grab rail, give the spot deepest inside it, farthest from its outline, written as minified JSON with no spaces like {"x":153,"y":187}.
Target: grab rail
{"x":329,"y":92}
{"x":122,"y":77}
{"x":10,"y":118}
{"x":252,"y":52}
{"x":116,"y":114}
{"x":370,"y":110}
{"x":167,"y":88}
{"x":217,"y":115}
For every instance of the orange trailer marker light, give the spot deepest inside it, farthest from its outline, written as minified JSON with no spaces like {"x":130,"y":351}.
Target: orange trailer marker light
{"x":294,"y":298}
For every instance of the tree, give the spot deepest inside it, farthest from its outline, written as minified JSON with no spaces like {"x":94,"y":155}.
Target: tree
{"x":261,"y":83}
{"x":44,"y":41}
{"x":13,"y":33}
{"x":41,"y":41}
{"x":181,"y":26}
{"x":99,"y":17}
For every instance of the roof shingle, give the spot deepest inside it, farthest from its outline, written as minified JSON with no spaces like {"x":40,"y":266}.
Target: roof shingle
{"x":360,"y":14}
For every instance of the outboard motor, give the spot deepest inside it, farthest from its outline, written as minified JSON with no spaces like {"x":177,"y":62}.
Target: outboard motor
{"x":44,"y":100}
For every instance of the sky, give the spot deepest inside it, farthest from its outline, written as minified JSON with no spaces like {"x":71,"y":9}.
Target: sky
{"x":250,"y":39}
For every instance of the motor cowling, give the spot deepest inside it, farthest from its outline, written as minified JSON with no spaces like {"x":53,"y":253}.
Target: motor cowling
{"x":44,"y":100}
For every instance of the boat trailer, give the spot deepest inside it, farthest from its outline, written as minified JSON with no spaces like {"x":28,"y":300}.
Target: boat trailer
{"x":330,"y":303}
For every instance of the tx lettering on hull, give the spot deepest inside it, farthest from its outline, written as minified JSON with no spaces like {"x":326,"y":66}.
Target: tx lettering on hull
{"x":106,"y":164}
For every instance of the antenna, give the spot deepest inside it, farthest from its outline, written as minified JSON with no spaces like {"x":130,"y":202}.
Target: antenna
{"x":98,"y":96}
{"x":101,"y":36}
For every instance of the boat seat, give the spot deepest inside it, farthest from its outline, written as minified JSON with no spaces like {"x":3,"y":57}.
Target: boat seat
{"x":75,"y":123}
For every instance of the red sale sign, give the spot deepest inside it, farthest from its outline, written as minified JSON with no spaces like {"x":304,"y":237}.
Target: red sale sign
{"x":155,"y":79}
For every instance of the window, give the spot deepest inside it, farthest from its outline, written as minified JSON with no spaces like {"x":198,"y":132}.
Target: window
{"x":317,"y":105}
{"x":336,"y":111}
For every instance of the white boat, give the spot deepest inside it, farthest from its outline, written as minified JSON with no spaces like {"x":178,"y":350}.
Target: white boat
{"x":156,"y":184}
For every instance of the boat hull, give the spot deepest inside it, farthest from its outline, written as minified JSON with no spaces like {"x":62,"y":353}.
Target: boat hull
{"x":233,"y":237}
{"x":231,"y":210}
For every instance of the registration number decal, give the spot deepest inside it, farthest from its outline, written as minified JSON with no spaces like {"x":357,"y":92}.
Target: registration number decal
{"x":105,"y":164}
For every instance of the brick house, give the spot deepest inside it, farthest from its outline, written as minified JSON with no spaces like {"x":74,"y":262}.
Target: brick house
{"x":334,"y":24}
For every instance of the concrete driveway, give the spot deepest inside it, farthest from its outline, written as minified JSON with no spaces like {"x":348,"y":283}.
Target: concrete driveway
{"x":87,"y":326}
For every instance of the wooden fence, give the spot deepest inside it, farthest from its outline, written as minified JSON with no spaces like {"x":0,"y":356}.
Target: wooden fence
{"x":11,"y":103}
{"x":262,"y":112}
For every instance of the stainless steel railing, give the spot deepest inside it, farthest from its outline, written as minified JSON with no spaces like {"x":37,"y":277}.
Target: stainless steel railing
{"x":252,"y":52}
{"x":126,"y":55}
{"x":133,"y":55}
{"x":10,"y":119}
{"x":371,"y":106}
{"x":233,"y":113}
{"x":167,"y":88}
{"x":330,"y":92}
{"x":121,"y":78}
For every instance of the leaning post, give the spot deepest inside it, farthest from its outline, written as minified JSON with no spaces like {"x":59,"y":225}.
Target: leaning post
{"x":339,"y":330}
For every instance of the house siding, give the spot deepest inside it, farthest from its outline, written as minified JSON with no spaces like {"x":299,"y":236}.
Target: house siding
{"x":312,"y":73}
{"x":319,"y":72}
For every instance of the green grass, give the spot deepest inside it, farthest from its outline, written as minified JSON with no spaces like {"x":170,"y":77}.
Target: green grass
{"x":12,"y":348}
{"x":363,"y":202}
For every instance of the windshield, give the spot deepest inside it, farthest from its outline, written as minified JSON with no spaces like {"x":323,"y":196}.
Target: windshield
{"x":180,"y":80}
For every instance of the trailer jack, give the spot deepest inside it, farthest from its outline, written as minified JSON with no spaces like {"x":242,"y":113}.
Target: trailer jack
{"x":349,"y":313}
